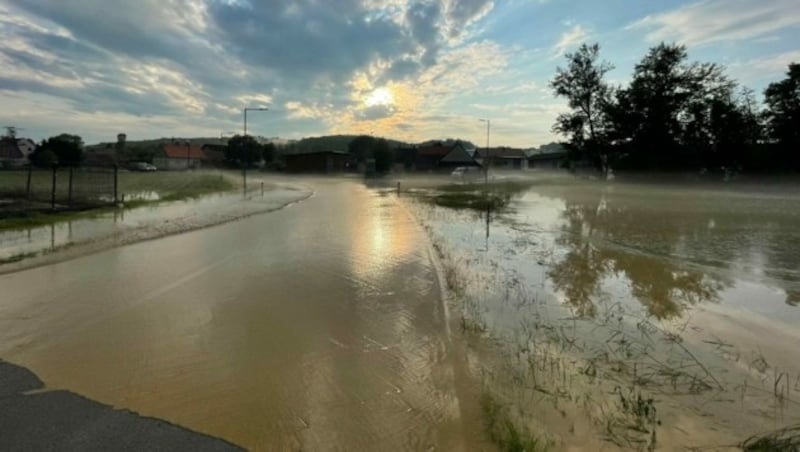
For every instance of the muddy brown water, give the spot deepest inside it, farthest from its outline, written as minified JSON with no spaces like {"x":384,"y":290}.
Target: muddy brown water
{"x":316,"y":327}
{"x":688,"y":294}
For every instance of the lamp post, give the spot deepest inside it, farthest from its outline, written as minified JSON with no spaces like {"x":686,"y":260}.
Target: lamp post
{"x":487,"y":157}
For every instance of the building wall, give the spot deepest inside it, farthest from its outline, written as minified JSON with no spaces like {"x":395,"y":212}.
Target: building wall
{"x":318,"y":162}
{"x":515,"y":164}
{"x":172,"y":164}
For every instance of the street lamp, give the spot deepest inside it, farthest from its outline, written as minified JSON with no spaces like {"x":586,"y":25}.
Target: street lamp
{"x":251,"y":109}
{"x":487,"y":157}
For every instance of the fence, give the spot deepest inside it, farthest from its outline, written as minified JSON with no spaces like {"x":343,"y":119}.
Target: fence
{"x":59,"y":188}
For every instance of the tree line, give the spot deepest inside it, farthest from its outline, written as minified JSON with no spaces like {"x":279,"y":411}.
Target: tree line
{"x":675,"y":114}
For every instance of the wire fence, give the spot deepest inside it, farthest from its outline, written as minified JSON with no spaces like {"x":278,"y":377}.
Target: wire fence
{"x":58,"y":188}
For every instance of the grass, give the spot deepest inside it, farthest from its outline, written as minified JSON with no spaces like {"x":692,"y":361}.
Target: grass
{"x":175,"y":186}
{"x":480,"y":197}
{"x":503,"y":432}
{"x":17,"y":258}
{"x":783,"y":440}
{"x":32,"y":219}
{"x":137,"y":188}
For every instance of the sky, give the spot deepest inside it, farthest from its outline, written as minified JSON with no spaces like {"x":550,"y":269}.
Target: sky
{"x":406,"y":69}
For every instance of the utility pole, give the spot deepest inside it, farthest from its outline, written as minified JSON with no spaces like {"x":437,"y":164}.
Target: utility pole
{"x":487,"y":157}
{"x":188,"y":154}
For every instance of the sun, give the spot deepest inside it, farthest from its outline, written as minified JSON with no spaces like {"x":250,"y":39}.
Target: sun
{"x":378,"y":97}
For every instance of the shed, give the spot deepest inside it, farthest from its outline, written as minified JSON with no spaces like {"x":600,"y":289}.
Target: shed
{"x":504,"y":158}
{"x":319,"y":162}
{"x":180,"y":156}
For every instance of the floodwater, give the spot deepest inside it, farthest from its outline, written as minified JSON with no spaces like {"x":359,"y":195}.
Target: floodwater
{"x":66,"y":239}
{"x":315,"y":327}
{"x":667,"y":249}
{"x":690,"y":294}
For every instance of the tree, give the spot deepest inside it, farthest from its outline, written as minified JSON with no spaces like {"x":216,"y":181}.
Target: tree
{"x":64,"y":150}
{"x":666,"y":106}
{"x":582,"y":84}
{"x":384,"y":156}
{"x":361,"y":147}
{"x":243,"y":150}
{"x":783,"y":114}
{"x":268,"y":152}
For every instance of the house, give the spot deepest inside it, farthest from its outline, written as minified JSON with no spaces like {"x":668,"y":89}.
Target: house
{"x":100,"y":157}
{"x":14,"y":152}
{"x":319,"y":162}
{"x":405,"y":158}
{"x":445,"y":157}
{"x":548,"y":159}
{"x":215,"y":153}
{"x":179,"y":155}
{"x":504,"y":158}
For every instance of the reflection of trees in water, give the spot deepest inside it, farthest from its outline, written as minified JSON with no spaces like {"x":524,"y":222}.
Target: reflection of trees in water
{"x":597,"y":235}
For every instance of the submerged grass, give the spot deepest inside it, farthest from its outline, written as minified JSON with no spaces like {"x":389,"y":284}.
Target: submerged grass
{"x":17,"y":258}
{"x":783,"y":440}
{"x":475,"y":196}
{"x":503,"y":431}
{"x":167,"y":187}
{"x":32,"y":219}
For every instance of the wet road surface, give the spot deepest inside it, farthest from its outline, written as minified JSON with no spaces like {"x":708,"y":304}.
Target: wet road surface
{"x":317,"y":327}
{"x":61,"y":420}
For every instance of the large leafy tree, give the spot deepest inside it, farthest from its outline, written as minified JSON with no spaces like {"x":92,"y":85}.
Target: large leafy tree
{"x":667,"y":105}
{"x":582,"y":84}
{"x":243,"y":150}
{"x":384,"y":156}
{"x":783,"y":113}
{"x":64,"y":150}
{"x":361,"y":147}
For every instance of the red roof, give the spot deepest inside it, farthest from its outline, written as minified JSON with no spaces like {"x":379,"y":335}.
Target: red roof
{"x":180,"y":150}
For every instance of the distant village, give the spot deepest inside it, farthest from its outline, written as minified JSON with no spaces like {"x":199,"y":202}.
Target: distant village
{"x":327,"y":154}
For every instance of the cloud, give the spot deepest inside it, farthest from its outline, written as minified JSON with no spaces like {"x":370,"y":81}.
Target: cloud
{"x":713,"y":21}
{"x":212,"y":55}
{"x":769,"y":68}
{"x":569,"y":39}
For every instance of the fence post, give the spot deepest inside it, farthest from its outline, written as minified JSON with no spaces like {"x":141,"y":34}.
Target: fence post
{"x":69,"y":189}
{"x":53,"y":190}
{"x":28,"y":185}
{"x":262,"y":189}
{"x":116,"y":184}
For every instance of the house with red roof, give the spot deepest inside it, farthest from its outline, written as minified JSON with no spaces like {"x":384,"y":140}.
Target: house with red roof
{"x":178,"y":155}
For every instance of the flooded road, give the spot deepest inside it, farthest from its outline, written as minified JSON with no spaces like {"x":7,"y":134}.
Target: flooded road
{"x":316,"y":327}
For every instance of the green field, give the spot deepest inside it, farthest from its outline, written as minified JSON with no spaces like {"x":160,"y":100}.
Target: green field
{"x":166,"y":185}
{"x":93,"y":192}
